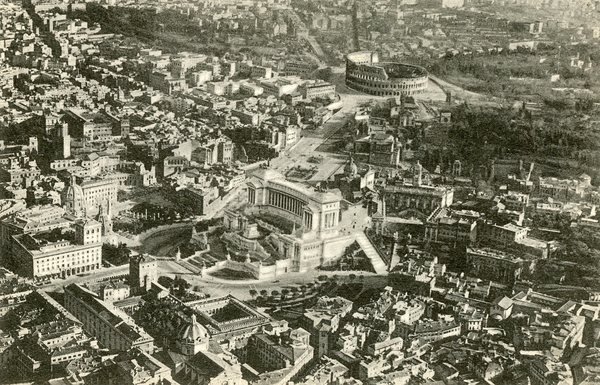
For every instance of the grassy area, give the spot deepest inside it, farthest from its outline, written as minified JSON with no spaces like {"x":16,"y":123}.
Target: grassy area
{"x":232,"y":275}
{"x":523,"y":72}
{"x":218,"y":248}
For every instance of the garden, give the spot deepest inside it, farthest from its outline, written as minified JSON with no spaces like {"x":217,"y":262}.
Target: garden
{"x":302,"y":296}
{"x":232,"y":275}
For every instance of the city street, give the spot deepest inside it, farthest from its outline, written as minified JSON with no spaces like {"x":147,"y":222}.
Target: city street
{"x":165,"y":267}
{"x":218,"y":287}
{"x":215,"y":286}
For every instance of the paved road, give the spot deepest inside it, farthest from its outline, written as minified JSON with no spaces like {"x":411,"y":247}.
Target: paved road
{"x":215,"y":286}
{"x":316,"y":47}
{"x":311,"y":140}
{"x":307,"y":146}
{"x":58,"y":284}
{"x":470,"y":96}
{"x":164,"y":268}
{"x":240,"y":289}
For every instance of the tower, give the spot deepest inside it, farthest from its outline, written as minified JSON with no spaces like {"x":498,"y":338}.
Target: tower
{"x":105,"y":218}
{"x":142,"y":272}
{"x":418,"y":174}
{"x":66,"y":146}
{"x":61,"y":133}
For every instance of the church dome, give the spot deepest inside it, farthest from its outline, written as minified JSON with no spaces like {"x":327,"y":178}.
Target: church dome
{"x":193,"y":332}
{"x":74,"y":192}
{"x":73,"y":197}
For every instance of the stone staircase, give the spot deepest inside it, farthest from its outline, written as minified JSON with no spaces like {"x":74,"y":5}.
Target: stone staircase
{"x":192,"y":268}
{"x":376,"y":260}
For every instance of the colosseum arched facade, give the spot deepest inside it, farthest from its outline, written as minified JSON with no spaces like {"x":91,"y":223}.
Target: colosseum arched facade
{"x":365,"y":73}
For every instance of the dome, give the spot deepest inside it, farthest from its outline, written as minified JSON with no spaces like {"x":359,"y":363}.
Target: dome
{"x":74,"y":192}
{"x":73,"y":197}
{"x":193,"y":332}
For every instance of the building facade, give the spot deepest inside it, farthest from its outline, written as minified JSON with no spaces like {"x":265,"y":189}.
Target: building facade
{"x":315,"y":211}
{"x":86,"y":198}
{"x":494,"y":265}
{"x":38,"y":257}
{"x":218,"y":150}
{"x":321,"y":229}
{"x":317,"y":90}
{"x":88,"y":126}
{"x":451,"y":226}
{"x":423,"y":199}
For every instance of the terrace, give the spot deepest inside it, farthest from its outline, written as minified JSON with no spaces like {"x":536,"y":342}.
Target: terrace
{"x":301,"y":173}
{"x":272,"y":222}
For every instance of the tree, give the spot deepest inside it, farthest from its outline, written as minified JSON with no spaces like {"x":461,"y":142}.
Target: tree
{"x":324,"y":74}
{"x":285,"y":292}
{"x":264,"y":293}
{"x":352,"y":277}
{"x":253,"y":293}
{"x":584,"y":104}
{"x":117,"y":255}
{"x":274,"y":293}
{"x":165,"y":281}
{"x":181,"y":285}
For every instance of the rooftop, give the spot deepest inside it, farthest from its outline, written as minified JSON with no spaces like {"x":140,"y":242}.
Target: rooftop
{"x":115,"y":317}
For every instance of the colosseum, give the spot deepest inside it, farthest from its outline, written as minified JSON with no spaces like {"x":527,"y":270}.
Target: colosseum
{"x":365,"y":73}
